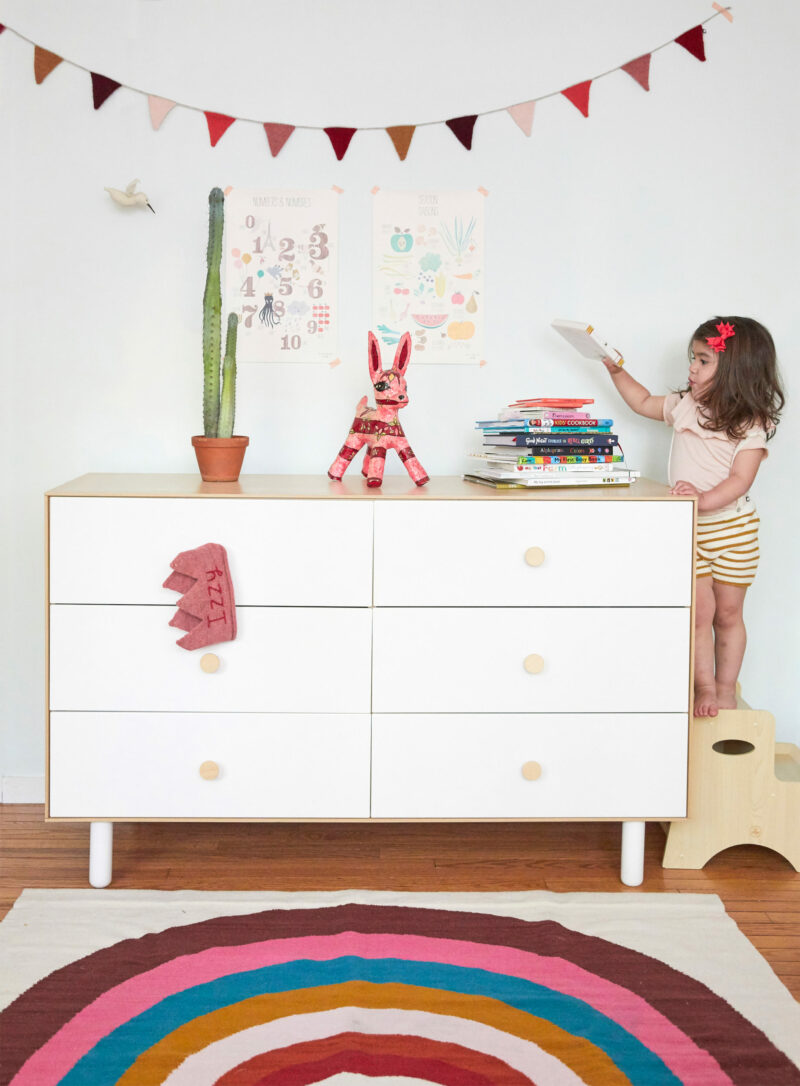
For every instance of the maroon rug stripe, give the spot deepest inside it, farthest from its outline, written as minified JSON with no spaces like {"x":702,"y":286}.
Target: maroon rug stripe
{"x":739,"y":1047}
{"x":462,"y":1065}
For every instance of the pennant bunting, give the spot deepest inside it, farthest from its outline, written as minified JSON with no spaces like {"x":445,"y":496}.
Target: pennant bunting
{"x":462,"y":127}
{"x":579,"y":96}
{"x":43,"y":63}
{"x":693,"y":42}
{"x":401,"y":136}
{"x":523,"y":115}
{"x":277,"y":135}
{"x":639,"y":69}
{"x":102,"y":88}
{"x":159,"y":108}
{"x":218,"y":125}
{"x":340,"y":139}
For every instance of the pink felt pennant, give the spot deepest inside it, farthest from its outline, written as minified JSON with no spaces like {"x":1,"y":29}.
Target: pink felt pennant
{"x":523,"y":115}
{"x":277,"y":135}
{"x":159,"y":108}
{"x":693,"y":42}
{"x":102,"y":88}
{"x":579,"y":96}
{"x":340,"y":139}
{"x":206,"y":609}
{"x":218,"y":125}
{"x":462,"y":128}
{"x":639,"y":69}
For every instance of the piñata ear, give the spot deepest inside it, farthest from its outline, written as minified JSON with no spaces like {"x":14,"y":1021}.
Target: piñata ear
{"x":402,"y":355}
{"x":374,"y":356}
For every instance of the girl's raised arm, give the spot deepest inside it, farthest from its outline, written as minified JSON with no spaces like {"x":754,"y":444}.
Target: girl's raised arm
{"x":636,"y":396}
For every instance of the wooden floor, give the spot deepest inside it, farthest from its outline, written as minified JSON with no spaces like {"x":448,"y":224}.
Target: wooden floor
{"x":760,"y":890}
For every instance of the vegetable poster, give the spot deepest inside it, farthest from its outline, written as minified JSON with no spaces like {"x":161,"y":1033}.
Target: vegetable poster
{"x":428,"y":273}
{"x":281,"y":270}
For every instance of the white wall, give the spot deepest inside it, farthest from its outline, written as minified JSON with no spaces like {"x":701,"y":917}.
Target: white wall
{"x":658,"y":211}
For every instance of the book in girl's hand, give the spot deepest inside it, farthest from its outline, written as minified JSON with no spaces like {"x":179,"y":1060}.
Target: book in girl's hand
{"x":587,"y":340}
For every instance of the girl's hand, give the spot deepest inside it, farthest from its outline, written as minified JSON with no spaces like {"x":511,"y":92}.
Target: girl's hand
{"x":612,"y":367}
{"x":682,"y":487}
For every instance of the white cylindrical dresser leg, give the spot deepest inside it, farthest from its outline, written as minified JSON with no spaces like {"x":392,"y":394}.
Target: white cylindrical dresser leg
{"x":632,"y":866}
{"x":101,"y":841}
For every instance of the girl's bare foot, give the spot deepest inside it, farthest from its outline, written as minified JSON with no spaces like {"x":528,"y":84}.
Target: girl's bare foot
{"x":705,"y":701}
{"x":726,"y":697}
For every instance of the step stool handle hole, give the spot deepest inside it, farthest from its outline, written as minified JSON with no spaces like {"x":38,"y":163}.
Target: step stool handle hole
{"x":733,"y":746}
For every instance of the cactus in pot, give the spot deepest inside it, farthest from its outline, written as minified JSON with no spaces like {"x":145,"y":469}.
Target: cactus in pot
{"x":218,"y":406}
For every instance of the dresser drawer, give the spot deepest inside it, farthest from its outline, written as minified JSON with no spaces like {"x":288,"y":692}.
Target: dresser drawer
{"x":513,"y":659}
{"x":591,"y":553}
{"x":284,"y":553}
{"x":206,"y":765}
{"x":581,"y":766}
{"x":283,"y":660}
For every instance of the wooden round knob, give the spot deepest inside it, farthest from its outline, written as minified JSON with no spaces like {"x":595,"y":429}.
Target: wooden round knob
{"x":533,"y":664}
{"x":534,"y":556}
{"x":209,"y":662}
{"x":209,"y":771}
{"x":531,"y":771}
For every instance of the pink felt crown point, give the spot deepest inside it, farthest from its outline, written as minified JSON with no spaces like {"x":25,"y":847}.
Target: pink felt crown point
{"x":717,"y":343}
{"x":206,"y":609}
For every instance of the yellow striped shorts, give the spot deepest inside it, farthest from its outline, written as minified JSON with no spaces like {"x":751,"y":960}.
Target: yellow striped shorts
{"x":727,"y":547}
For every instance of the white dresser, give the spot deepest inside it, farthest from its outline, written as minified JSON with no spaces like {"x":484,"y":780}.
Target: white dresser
{"x":443,"y":652}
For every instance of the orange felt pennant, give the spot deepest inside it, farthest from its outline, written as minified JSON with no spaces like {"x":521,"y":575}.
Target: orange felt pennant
{"x":401,"y":136}
{"x":43,"y":63}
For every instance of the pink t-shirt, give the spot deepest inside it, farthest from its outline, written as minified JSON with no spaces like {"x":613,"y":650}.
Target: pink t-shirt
{"x":698,"y":456}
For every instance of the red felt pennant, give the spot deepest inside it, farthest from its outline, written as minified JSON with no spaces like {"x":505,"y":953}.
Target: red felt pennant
{"x":640,"y":70}
{"x":218,"y":125}
{"x":579,"y":96}
{"x":693,"y":42}
{"x":340,"y":139}
{"x":462,"y":127}
{"x":102,"y":88}
{"x":277,"y":135}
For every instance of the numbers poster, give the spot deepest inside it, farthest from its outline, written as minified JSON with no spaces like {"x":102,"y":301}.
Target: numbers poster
{"x":427,"y":250}
{"x":281,"y":270}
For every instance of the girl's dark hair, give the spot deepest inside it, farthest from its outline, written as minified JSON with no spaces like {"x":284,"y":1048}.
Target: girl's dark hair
{"x":746,"y":390}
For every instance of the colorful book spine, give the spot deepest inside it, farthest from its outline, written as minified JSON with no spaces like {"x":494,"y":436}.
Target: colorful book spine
{"x":533,"y":460}
{"x":544,"y":424}
{"x":551,"y":439}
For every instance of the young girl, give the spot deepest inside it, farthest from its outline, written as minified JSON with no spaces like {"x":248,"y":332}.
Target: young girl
{"x":721,"y":423}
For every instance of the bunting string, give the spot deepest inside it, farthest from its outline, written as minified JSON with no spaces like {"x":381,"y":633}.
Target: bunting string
{"x":463,"y":128}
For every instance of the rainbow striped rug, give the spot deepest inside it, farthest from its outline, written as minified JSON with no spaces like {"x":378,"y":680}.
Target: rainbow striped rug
{"x":144,"y":987}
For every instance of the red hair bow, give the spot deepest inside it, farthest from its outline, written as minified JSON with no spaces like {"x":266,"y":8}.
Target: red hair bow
{"x":717,"y":343}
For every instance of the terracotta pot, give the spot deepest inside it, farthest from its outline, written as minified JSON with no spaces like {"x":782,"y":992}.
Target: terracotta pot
{"x":220,"y":458}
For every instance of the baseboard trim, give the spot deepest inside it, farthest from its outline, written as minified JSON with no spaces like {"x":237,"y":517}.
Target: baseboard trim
{"x":21,"y":789}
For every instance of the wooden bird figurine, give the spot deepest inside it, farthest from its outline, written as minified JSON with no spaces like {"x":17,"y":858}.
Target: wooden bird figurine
{"x":130,"y":197}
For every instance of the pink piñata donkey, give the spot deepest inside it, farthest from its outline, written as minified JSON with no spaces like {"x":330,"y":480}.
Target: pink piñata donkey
{"x":379,"y":427}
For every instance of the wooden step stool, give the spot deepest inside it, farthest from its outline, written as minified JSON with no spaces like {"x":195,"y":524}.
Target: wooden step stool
{"x":744,"y":789}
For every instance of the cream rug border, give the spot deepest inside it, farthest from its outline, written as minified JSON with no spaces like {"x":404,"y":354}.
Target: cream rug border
{"x":47,"y":929}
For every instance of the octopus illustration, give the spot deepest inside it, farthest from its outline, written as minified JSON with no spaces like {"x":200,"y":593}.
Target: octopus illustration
{"x":267,"y":314}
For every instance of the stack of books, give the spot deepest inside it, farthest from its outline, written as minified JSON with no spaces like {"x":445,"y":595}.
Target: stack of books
{"x":549,"y":442}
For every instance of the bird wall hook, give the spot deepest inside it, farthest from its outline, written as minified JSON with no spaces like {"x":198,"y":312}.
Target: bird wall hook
{"x":130,"y":197}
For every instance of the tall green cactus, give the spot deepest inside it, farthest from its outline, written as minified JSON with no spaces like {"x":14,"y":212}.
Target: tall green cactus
{"x":212,"y":324}
{"x":227,"y":408}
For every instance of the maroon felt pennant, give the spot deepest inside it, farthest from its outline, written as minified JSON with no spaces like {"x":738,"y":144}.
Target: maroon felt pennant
{"x":43,"y":63}
{"x":102,"y":88}
{"x":340,"y":139}
{"x":2,"y":28}
{"x":693,"y":42}
{"x":277,"y":135}
{"x":462,"y":128}
{"x":579,"y":96}
{"x":218,"y":125}
{"x":639,"y":69}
